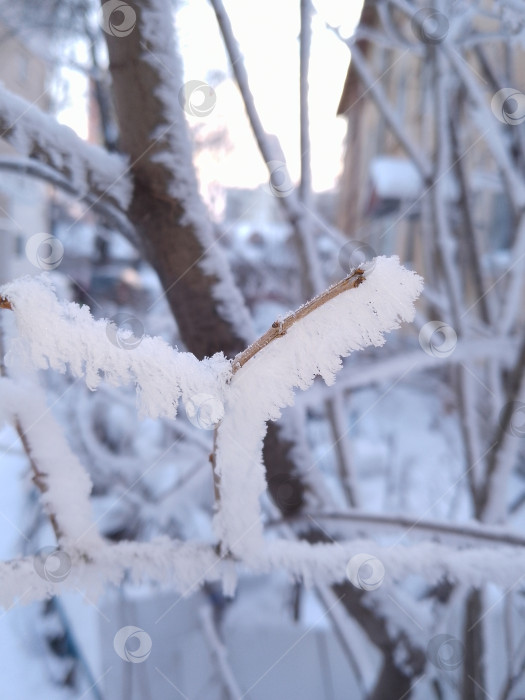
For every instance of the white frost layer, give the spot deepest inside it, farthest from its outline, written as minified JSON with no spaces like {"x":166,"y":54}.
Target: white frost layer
{"x":89,"y":168}
{"x":67,"y":484}
{"x":184,"y":566}
{"x":313,"y":346}
{"x":63,"y":335}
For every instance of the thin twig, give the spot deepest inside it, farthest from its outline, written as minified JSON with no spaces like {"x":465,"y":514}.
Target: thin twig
{"x":39,"y":477}
{"x":468,"y":531}
{"x":279,"y":328}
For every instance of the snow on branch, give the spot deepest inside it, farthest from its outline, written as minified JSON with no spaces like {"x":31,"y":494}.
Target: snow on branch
{"x":254,"y":388}
{"x":186,"y":566}
{"x":318,"y":564}
{"x":354,"y":314}
{"x":88,"y":168}
{"x":63,"y":482}
{"x":183,"y":565}
{"x":110,"y":212}
{"x":63,"y":335}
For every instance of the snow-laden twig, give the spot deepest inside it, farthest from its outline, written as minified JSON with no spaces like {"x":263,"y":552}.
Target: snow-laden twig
{"x":335,"y":412}
{"x":511,"y":303}
{"x":375,"y":90}
{"x":63,"y":335}
{"x":505,"y":448}
{"x":184,"y":566}
{"x":220,"y":653}
{"x":305,"y":41}
{"x":490,"y":129}
{"x":318,"y":564}
{"x":458,"y":534}
{"x":108,"y":211}
{"x":345,"y":636}
{"x":309,"y":343}
{"x":62,"y":480}
{"x":89,"y":169}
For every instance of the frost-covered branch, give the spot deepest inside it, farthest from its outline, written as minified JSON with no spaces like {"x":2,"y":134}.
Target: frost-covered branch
{"x":505,"y":448}
{"x":490,"y":130}
{"x":305,"y":41}
{"x":335,"y":413}
{"x":64,"y":335}
{"x":279,"y":328}
{"x":450,"y":533}
{"x":315,"y":339}
{"x":184,"y":566}
{"x":62,"y":480}
{"x":220,"y":653}
{"x":375,"y":90}
{"x":90,"y":169}
{"x":110,"y":212}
